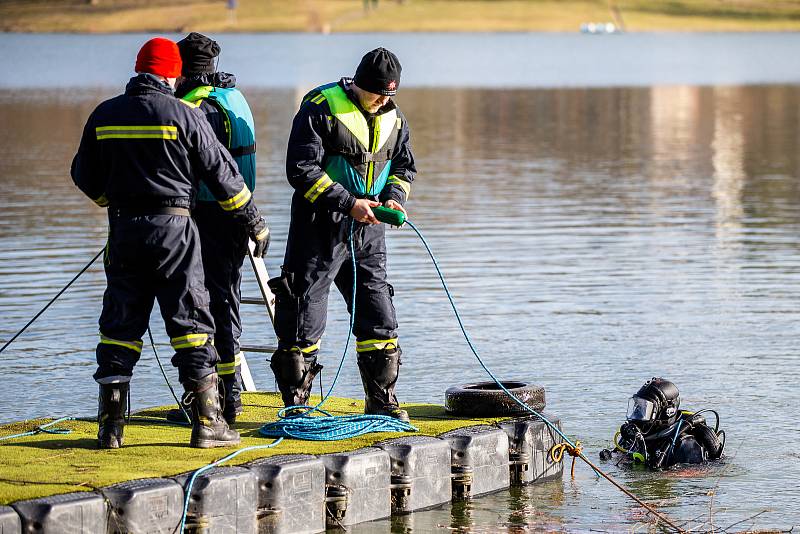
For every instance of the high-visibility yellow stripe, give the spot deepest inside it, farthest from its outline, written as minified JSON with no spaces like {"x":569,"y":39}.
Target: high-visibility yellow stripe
{"x":187,"y":341}
{"x":236,"y":201}
{"x":167,"y":136}
{"x":405,"y":186}
{"x":101,"y":201}
{"x":159,"y":127}
{"x":135,"y":345}
{"x":318,"y":188}
{"x":226,"y":368}
{"x":374,"y":344}
{"x":190,"y":104}
{"x":308,"y":350}
{"x":318,"y":99}
{"x":136,"y":132}
{"x":229,"y":368}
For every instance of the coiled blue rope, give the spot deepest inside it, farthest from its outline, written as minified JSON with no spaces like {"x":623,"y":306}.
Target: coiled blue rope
{"x":43,"y":429}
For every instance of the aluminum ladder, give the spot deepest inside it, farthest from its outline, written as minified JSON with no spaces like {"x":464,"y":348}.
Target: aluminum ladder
{"x":267,"y":299}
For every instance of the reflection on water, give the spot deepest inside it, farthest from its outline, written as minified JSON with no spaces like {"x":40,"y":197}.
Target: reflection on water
{"x":593,"y":238}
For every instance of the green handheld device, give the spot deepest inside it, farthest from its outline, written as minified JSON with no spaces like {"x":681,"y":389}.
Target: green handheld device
{"x":389,"y":216}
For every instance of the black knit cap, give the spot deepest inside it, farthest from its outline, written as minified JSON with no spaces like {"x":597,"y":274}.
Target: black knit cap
{"x":198,"y":53}
{"x":379,"y":72}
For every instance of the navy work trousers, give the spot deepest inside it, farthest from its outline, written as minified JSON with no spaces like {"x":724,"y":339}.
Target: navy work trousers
{"x":154,"y":257}
{"x":317,"y":255}
{"x":224,"y":246}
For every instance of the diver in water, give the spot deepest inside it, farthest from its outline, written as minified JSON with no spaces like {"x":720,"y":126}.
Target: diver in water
{"x":658,"y":434}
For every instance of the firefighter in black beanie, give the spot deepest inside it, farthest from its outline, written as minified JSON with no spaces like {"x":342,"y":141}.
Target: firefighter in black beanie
{"x":223,"y":244}
{"x":349,"y":151}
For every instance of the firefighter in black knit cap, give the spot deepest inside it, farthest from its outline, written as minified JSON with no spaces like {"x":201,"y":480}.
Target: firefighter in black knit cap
{"x":349,"y":151}
{"x":223,"y":243}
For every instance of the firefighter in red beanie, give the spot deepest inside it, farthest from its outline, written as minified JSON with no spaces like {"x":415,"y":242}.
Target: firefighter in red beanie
{"x":142,"y":155}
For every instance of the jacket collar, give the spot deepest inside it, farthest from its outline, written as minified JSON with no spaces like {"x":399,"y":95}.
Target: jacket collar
{"x":146,"y":83}
{"x":223,"y":80}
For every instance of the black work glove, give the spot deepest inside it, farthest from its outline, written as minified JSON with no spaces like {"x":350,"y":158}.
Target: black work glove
{"x":258,"y":232}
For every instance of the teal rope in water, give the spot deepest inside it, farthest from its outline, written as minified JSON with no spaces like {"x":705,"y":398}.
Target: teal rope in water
{"x":329,"y":427}
{"x":188,"y":490}
{"x":43,"y":429}
{"x":472,"y":347}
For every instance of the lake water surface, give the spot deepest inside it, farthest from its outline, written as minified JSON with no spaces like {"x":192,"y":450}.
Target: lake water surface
{"x":605,"y":208}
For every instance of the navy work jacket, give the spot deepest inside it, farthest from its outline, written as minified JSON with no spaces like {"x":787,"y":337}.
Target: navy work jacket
{"x":147,"y":149}
{"x":312,"y":140}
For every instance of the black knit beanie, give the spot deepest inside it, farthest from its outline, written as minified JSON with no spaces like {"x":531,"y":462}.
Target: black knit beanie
{"x":378,"y":72}
{"x":198,"y":53}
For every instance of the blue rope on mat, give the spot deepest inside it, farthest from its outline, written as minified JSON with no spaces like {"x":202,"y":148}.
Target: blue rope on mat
{"x":329,"y":427}
{"x":43,"y":429}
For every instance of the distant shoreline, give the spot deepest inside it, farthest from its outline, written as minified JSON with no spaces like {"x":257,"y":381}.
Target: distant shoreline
{"x":396,"y":16}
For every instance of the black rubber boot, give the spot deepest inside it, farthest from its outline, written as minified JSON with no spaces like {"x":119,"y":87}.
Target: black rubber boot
{"x":295,"y":374}
{"x":112,"y":404}
{"x":209,"y":428}
{"x":379,"y":370}
{"x":230,"y":399}
{"x":231,"y":395}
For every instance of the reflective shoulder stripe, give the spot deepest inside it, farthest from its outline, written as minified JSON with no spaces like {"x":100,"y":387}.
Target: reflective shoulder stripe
{"x":405,"y":186}
{"x":189,"y":340}
{"x":134,"y":345}
{"x":374,"y":344}
{"x":197,"y":94}
{"x":318,"y":188}
{"x":189,"y":104}
{"x":136,"y":132}
{"x":319,"y":99}
{"x":399,"y":123}
{"x":101,"y":201}
{"x":236,"y":201}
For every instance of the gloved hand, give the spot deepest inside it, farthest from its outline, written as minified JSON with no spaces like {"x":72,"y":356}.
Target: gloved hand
{"x":259,"y":234}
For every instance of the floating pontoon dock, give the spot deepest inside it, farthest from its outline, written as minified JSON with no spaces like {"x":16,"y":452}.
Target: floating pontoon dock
{"x":63,"y":483}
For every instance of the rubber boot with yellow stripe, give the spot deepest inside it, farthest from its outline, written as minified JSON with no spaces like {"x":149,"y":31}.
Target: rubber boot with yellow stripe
{"x":294,"y":373}
{"x":379,"y":370}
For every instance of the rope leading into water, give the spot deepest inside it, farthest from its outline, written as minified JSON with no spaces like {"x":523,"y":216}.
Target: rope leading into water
{"x":188,"y":490}
{"x":53,"y":299}
{"x":574,"y":449}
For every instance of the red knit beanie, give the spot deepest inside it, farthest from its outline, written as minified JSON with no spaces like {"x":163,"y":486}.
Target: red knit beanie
{"x":159,"y":56}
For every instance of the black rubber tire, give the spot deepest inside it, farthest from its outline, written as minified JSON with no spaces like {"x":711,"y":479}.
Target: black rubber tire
{"x":486,"y":399}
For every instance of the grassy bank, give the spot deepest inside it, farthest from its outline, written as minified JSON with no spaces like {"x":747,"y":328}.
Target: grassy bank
{"x":47,"y":464}
{"x":108,"y":16}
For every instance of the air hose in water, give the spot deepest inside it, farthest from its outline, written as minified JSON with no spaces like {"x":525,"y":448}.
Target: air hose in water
{"x":397,"y":218}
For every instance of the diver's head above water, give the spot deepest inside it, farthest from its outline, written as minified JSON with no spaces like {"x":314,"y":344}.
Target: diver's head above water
{"x":655,"y":406}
